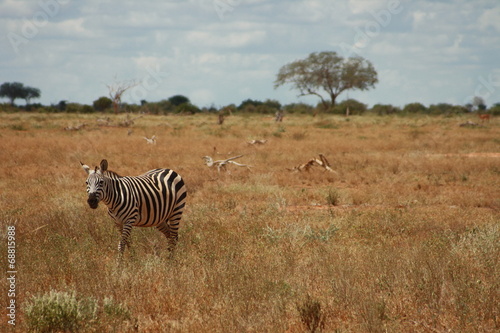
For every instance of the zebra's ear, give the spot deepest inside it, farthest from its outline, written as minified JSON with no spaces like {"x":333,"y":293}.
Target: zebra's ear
{"x":85,"y":167}
{"x":104,"y":165}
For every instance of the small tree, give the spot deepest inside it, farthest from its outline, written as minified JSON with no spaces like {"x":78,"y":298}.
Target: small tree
{"x":102,"y":103}
{"x":478,"y":103}
{"x":177,"y":100}
{"x":61,"y":106}
{"x":249,"y":105}
{"x":328,"y":72}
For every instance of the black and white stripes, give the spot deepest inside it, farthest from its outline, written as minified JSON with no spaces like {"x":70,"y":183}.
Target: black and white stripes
{"x":153,"y":199}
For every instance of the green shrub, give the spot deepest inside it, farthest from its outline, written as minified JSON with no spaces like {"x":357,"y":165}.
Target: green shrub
{"x":102,"y":103}
{"x":59,"y":311}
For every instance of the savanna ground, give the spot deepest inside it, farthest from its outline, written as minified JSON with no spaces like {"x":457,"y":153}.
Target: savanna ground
{"x":404,"y":237}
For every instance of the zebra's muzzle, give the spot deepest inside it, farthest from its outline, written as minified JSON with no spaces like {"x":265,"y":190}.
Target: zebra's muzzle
{"x":92,"y":201}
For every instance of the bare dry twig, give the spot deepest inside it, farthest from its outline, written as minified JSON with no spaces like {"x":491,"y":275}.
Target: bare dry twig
{"x":321,"y":161}
{"x":221,"y":164}
{"x":151,"y":141}
{"x":75,"y":128}
{"x":257,"y":142}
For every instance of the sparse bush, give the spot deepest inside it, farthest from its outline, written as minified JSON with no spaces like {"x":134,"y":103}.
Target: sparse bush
{"x":311,"y":315}
{"x":115,"y":310}
{"x":18,"y":127}
{"x":65,"y":312}
{"x":495,"y":110}
{"x":299,"y":135}
{"x":279,"y":131}
{"x":327,"y":124}
{"x":415,"y":108}
{"x":333,"y":197}
{"x":187,"y":108}
{"x":301,"y":108}
{"x":321,"y":234}
{"x":59,"y":311}
{"x":355,"y":107}
{"x":385,"y":109}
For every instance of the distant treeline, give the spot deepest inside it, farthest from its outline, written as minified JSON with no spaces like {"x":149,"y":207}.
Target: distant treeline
{"x":179,"y":104}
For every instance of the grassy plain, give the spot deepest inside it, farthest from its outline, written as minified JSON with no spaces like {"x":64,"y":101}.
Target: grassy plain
{"x":404,"y":237}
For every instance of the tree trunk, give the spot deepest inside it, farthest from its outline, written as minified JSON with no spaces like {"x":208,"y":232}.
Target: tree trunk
{"x":333,"y":97}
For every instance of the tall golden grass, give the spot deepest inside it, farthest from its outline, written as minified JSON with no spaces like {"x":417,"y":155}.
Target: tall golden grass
{"x":404,"y":237}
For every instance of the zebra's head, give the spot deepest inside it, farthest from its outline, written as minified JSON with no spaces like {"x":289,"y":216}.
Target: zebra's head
{"x":95,"y":183}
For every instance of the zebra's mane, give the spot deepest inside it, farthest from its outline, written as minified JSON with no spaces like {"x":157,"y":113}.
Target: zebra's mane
{"x":112,"y":174}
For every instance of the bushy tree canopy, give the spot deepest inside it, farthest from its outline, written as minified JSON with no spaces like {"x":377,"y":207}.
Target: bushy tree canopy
{"x":177,"y":100}
{"x":415,"y":108}
{"x":15,"y":90}
{"x":327,"y":72}
{"x":102,"y":103}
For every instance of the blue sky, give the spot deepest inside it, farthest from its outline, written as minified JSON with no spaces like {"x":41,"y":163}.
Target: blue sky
{"x":218,"y":52}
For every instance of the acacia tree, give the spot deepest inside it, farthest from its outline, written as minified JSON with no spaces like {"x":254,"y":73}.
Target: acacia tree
{"x":29,"y":93}
{"x":15,"y":90}
{"x":327,"y":72}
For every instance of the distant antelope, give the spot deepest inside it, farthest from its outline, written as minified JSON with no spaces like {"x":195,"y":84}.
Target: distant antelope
{"x":484,"y":117}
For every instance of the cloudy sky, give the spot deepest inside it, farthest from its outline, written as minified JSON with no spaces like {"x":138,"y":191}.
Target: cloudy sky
{"x":218,"y":52}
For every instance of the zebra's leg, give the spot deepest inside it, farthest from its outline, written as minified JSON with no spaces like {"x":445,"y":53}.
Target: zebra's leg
{"x":170,"y":233}
{"x":173,"y":226}
{"x":126,"y":230}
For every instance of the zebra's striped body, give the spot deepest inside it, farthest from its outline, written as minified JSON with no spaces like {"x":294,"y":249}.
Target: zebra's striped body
{"x":153,"y":199}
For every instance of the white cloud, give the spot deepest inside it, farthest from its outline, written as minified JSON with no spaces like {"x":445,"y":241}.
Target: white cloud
{"x":71,"y":27}
{"x":363,"y":6}
{"x":202,"y":97}
{"x":145,"y":62}
{"x":15,"y":8}
{"x":311,"y":10}
{"x":422,"y":19}
{"x":225,"y":39}
{"x":387,"y":48}
{"x":490,"y":19}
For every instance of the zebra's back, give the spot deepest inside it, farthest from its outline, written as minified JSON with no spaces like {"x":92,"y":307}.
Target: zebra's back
{"x":159,"y":195}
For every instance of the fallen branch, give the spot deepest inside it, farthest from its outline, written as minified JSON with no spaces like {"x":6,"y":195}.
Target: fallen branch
{"x":75,"y":128}
{"x":321,"y":161}
{"x":151,"y":141}
{"x":221,"y":164}
{"x":469,"y":123}
{"x":257,"y":142}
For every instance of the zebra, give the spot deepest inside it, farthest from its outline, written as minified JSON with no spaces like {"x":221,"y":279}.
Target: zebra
{"x":153,"y":199}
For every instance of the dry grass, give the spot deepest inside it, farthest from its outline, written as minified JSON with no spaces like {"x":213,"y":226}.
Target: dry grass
{"x":405,"y":237}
